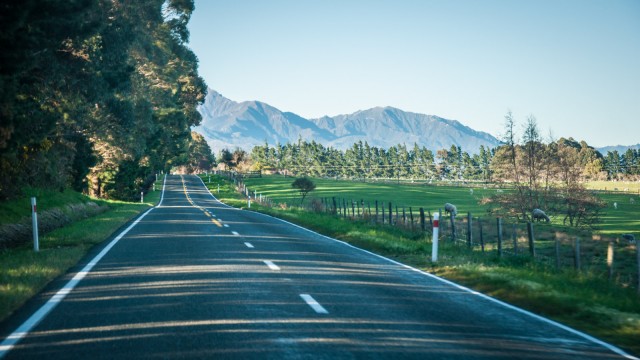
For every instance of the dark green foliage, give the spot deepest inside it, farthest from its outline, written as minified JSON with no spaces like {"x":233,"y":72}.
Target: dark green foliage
{"x":304,"y":186}
{"x":90,"y":90}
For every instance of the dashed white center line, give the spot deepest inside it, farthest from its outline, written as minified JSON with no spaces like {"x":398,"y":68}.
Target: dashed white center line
{"x":314,"y":304}
{"x":235,"y":233}
{"x":249,"y":245}
{"x":225,"y":225}
{"x":271,"y":265}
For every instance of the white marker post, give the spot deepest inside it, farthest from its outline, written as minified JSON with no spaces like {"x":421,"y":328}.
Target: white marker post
{"x":249,"y":202}
{"x":218,"y":188}
{"x":34,"y":222}
{"x":434,"y":249}
{"x":141,"y":197}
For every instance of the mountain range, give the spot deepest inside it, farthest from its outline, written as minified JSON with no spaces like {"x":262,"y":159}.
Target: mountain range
{"x":230,"y":124}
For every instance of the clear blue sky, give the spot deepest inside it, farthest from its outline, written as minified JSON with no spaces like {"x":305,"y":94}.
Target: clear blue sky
{"x":573,"y":64}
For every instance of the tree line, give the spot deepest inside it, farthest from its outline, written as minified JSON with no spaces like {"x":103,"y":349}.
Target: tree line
{"x":97,"y":95}
{"x":536,"y":173}
{"x":552,"y":160}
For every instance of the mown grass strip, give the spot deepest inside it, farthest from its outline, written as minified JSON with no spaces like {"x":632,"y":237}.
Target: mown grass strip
{"x":24,"y":273}
{"x":583,"y":301}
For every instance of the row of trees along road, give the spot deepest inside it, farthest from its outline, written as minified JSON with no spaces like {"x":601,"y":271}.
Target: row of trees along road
{"x":96,"y":95}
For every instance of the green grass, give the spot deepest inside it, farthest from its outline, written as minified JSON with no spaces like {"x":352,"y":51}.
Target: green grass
{"x":585,"y":301}
{"x":14,"y":210}
{"x":623,"y":219}
{"x":24,"y":273}
{"x":430,"y":197}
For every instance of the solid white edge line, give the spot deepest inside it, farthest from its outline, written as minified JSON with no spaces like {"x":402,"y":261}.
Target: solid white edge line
{"x":10,"y":341}
{"x":613,"y":348}
{"x":249,"y":245}
{"x":271,"y":265}
{"x":164,"y":184}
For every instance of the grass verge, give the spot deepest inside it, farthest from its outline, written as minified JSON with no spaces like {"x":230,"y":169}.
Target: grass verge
{"x":582,"y":301}
{"x":24,"y":273}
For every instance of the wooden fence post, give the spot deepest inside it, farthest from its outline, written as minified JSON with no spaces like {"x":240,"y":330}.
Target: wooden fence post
{"x":576,"y":252}
{"x":514,"y":238}
{"x":453,"y":227}
{"x":557,"y":251}
{"x":390,"y":214}
{"x":499,"y":220}
{"x":335,"y":206}
{"x":638,"y":261}
{"x":469,"y":229}
{"x":481,"y":235}
{"x":382,"y":213}
{"x":376,"y":211}
{"x":344,"y":208}
{"x":532,"y":248}
{"x":422,"y":223}
{"x":411,"y":217}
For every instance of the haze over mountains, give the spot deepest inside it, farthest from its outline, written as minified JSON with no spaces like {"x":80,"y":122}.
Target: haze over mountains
{"x":230,"y":124}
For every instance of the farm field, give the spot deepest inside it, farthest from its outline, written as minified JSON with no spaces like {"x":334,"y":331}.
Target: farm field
{"x":615,"y":221}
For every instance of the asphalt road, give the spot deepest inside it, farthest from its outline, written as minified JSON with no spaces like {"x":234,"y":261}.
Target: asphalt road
{"x":197,"y":279}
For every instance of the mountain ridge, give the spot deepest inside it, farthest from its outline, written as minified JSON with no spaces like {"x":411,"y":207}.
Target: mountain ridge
{"x":230,"y":124}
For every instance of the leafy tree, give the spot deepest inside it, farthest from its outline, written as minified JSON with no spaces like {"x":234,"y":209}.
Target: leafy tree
{"x":304,"y":186}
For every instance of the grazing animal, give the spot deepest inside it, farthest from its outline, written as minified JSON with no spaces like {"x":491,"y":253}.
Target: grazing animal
{"x":450,"y":209}
{"x":632,"y":200}
{"x":538,"y":215}
{"x":615,"y":205}
{"x":630,"y":238}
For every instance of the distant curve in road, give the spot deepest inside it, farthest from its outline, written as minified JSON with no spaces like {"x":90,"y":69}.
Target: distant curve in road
{"x":194,"y":278}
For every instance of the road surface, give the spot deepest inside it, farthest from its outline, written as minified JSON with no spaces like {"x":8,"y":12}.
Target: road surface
{"x":193,"y":278}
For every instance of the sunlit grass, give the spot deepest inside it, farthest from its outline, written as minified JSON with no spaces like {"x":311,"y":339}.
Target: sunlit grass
{"x":23,"y":272}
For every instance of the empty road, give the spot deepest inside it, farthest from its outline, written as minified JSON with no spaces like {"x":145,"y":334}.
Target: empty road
{"x":194,"y":278}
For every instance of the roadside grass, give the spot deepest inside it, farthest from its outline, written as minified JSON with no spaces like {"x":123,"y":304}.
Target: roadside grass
{"x":14,"y":210}
{"x":24,"y":273}
{"x":584,"y":301}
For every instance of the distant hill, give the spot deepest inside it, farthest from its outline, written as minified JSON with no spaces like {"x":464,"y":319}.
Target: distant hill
{"x":620,"y":148}
{"x":230,"y":124}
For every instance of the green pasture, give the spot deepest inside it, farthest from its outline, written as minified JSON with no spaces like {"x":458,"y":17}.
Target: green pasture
{"x":429,"y":197}
{"x":614,"y":221}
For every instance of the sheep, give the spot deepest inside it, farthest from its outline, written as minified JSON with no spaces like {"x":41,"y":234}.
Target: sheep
{"x":632,"y":200}
{"x":615,"y":205}
{"x":450,"y":209}
{"x":470,"y":191}
{"x":630,"y":238}
{"x":538,"y":215}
